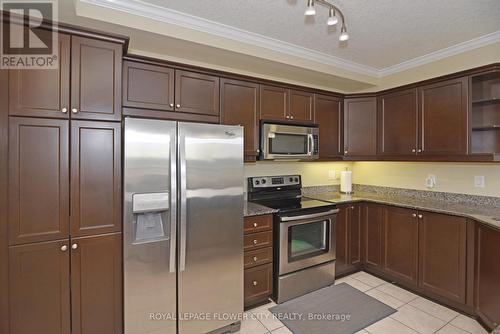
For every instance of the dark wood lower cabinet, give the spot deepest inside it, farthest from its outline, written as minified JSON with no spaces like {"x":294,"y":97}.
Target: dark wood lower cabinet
{"x":39,"y":288}
{"x":258,"y":259}
{"x":442,"y":255}
{"x":401,"y":244}
{"x":372,"y":235}
{"x":96,"y":284}
{"x":487,"y":275}
{"x":348,"y":239}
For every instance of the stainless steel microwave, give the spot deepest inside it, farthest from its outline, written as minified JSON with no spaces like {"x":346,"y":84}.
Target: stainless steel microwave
{"x":289,"y":142}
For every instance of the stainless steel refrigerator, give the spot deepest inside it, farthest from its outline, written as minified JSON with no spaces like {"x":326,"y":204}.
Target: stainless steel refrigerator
{"x":183,"y":238}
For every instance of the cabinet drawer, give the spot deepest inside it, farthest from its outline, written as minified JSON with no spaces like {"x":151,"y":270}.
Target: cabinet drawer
{"x":258,"y":240}
{"x":258,"y":257}
{"x":258,"y":224}
{"x":258,"y":284}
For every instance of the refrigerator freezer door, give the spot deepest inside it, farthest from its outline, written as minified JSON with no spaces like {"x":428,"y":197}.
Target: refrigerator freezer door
{"x":149,"y":226}
{"x":210,"y":226}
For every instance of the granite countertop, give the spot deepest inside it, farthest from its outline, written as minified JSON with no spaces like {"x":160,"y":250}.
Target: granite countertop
{"x":487,"y":214}
{"x":253,"y":209}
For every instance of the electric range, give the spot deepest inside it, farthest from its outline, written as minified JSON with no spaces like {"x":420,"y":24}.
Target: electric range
{"x":304,"y":235}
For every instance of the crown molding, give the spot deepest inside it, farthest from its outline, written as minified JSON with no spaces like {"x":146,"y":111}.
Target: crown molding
{"x":170,"y":16}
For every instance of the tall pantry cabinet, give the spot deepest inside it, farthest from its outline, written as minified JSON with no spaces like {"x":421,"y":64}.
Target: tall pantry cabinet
{"x":64,"y":192}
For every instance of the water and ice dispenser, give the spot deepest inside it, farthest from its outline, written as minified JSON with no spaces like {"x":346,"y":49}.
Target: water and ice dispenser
{"x":149,"y":214}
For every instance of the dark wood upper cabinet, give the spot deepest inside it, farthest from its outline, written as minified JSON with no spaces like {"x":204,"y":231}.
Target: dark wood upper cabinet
{"x":301,"y":106}
{"x":372,"y":235}
{"x":96,"y":85}
{"x":240,"y":106}
{"x":443,"y":125}
{"x":274,"y":103}
{"x":95,"y":178}
{"x":38,"y":179}
{"x":96,"y":285}
{"x":148,"y":86}
{"x":360,"y":126}
{"x":397,"y":123}
{"x":487,"y":275}
{"x":401,"y":244}
{"x":442,"y":255}
{"x":196,"y":93}
{"x":328,"y":115}
{"x":39,"y":289}
{"x":42,"y":93}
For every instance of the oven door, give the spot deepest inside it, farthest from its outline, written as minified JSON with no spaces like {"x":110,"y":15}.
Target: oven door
{"x":306,"y":240}
{"x":289,"y":142}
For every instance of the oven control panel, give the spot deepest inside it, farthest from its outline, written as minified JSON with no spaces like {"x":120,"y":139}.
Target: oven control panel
{"x":275,"y":181}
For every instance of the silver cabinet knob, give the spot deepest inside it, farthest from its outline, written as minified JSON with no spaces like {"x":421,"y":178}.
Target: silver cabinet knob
{"x":64,"y":110}
{"x":171,"y":105}
{"x":64,"y":248}
{"x":178,"y":106}
{"x":419,"y":150}
{"x":255,"y":259}
{"x":414,"y":150}
{"x":255,"y":242}
{"x":352,"y":208}
{"x":255,"y":283}
{"x":346,"y":151}
{"x":287,"y":117}
{"x":255,"y":224}
{"x":420,"y":216}
{"x":291,"y":117}
{"x":74,"y":111}
{"x":74,"y":246}
{"x":414,"y":215}
{"x":258,"y":151}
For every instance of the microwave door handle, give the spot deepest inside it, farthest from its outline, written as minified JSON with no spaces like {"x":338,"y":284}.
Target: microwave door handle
{"x":310,"y":144}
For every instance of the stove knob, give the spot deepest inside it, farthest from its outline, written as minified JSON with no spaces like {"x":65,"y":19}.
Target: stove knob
{"x":263,"y":181}
{"x":296,"y":179}
{"x":257,"y":182}
{"x":291,"y":179}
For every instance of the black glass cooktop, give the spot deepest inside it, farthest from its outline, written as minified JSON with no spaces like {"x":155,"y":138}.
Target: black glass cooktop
{"x":287,"y":205}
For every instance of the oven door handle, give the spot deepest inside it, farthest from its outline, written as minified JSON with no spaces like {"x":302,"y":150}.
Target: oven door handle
{"x":312,"y":215}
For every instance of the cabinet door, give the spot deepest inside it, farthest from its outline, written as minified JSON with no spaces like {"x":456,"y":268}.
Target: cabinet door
{"x":96,"y":84}
{"x":273,"y":103}
{"x":487,"y":293}
{"x":355,"y":235}
{"x":328,"y":115}
{"x":95,"y":178}
{"x":360,"y":126}
{"x":240,"y":105}
{"x":39,"y":297}
{"x":196,"y":93}
{"x":443,"y":117}
{"x":342,"y":240}
{"x":96,"y":285}
{"x":372,"y":234}
{"x":38,"y":180}
{"x":397,"y":123}
{"x":148,"y":86}
{"x":301,"y":106}
{"x":442,"y":254}
{"x":401,"y":244}
{"x":42,"y":93}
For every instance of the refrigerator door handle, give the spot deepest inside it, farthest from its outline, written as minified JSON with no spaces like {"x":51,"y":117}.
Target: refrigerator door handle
{"x":173,"y":204}
{"x":183,"y":202}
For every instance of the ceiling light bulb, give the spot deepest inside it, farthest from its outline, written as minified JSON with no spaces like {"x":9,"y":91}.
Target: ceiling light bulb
{"x":343,"y":35}
{"x":310,"y":10}
{"x":332,"y":18}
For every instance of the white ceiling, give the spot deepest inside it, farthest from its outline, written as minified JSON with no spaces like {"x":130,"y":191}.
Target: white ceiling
{"x":383,"y":33}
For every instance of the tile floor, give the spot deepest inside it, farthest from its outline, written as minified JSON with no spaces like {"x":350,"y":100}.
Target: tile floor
{"x":414,"y":314}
